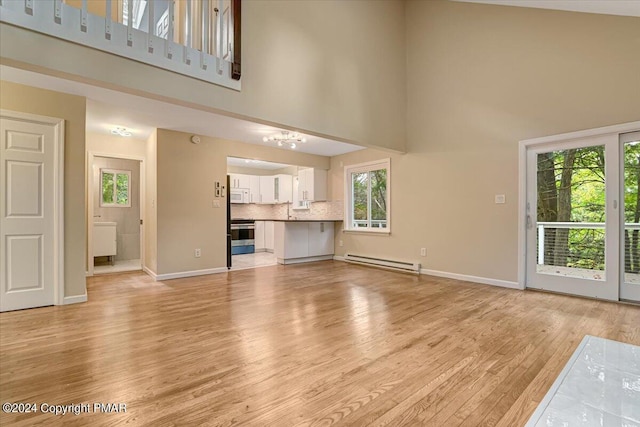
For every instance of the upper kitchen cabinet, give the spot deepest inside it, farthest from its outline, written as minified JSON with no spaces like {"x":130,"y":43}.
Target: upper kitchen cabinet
{"x":267,"y":189}
{"x":283,"y":186}
{"x":312,"y":185}
{"x":254,"y":189}
{"x":240,"y":180}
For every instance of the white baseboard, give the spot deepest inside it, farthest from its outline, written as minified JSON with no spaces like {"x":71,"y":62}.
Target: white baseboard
{"x":475,"y":279}
{"x":182,"y":274}
{"x":150,"y":272}
{"x":462,"y":277}
{"x":307,"y":259}
{"x":74,"y":299}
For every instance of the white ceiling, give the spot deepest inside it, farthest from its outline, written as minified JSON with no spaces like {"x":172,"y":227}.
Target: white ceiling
{"x":107,"y":109}
{"x":254,"y":164}
{"x":606,"y":7}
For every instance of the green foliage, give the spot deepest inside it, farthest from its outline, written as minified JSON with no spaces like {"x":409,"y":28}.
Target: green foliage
{"x":115,"y":188}
{"x":122,"y":189}
{"x":360,"y":196}
{"x":107,"y":188}
{"x":585,"y":247}
{"x":370,"y":186}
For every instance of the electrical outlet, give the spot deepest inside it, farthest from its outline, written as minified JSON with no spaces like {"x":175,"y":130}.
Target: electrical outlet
{"x":341,"y":243}
{"x":197,"y":253}
{"x":423,"y":251}
{"x":500,"y":199}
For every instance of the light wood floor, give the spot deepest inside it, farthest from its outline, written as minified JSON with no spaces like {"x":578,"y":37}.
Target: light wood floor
{"x":319,"y":344}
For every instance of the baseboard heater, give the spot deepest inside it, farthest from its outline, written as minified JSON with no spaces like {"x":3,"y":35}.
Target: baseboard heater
{"x":407,"y":267}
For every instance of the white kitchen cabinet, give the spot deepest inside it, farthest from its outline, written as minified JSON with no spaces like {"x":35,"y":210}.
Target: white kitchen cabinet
{"x":267,"y":189}
{"x":254,"y":189}
{"x":269,"y":233}
{"x":238,"y":180}
{"x":300,"y":241}
{"x":321,"y":238}
{"x":312,"y":185}
{"x":283,"y":186}
{"x":259,"y":236}
{"x":292,"y":240}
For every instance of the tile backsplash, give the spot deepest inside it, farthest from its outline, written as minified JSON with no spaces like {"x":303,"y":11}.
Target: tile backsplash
{"x":317,"y":211}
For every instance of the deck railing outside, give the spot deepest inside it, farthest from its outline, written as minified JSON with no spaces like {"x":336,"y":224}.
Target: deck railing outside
{"x":582,"y":245}
{"x":190,"y":37}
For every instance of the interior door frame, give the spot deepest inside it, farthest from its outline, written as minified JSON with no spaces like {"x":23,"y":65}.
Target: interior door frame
{"x":58,"y":196}
{"x":91,"y":155}
{"x":523,"y":149}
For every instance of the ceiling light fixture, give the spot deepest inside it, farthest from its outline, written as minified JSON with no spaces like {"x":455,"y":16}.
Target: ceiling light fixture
{"x":286,"y":138}
{"x":120,"y":132}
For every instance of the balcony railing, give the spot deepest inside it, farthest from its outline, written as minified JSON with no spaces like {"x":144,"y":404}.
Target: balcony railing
{"x":582,"y":245}
{"x":197,"y":38}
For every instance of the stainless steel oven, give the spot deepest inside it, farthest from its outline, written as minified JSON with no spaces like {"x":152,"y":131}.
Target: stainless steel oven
{"x":242,"y":237}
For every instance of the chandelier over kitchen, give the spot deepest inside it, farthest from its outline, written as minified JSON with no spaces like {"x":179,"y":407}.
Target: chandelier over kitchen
{"x":286,"y":138}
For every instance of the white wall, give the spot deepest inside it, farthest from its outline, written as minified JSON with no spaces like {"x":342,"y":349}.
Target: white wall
{"x":480,"y":78}
{"x":100,"y":143}
{"x":326,"y":67}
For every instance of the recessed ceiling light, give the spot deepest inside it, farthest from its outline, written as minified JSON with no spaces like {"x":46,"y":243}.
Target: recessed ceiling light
{"x":120,"y":132}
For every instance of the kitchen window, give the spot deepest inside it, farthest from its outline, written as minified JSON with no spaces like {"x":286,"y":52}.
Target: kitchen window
{"x":115,"y":188}
{"x":367,"y":196}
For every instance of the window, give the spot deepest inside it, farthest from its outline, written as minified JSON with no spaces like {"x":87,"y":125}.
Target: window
{"x":367,"y":196}
{"x":114,"y":187}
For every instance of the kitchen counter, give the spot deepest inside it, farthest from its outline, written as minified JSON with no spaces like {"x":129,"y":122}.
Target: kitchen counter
{"x":303,"y":240}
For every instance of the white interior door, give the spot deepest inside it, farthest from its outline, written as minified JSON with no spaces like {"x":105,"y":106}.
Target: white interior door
{"x":573,"y":217}
{"x":630,"y":236}
{"x":28,"y":154}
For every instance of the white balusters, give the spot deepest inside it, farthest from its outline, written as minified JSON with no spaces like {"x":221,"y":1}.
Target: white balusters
{"x":188,"y":32}
{"x":107,"y":20}
{"x":168,"y":48}
{"x":206,"y":31}
{"x":83,"y":16}
{"x":130,"y":23}
{"x":57,"y":11}
{"x":203,"y":27}
{"x":152,"y":26}
{"x":219,"y":37}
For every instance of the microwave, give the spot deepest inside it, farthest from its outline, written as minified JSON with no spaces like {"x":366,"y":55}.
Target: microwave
{"x":239,"y":195}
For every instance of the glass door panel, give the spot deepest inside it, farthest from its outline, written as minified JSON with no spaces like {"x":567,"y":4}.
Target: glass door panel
{"x":570,"y":228}
{"x":630,"y":280}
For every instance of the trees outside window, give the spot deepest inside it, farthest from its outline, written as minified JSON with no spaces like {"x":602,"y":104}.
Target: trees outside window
{"x":367,"y":196}
{"x":114,"y":188}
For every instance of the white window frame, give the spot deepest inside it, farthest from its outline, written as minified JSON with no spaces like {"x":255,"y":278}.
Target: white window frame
{"x":348,"y":195}
{"x":115,"y":173}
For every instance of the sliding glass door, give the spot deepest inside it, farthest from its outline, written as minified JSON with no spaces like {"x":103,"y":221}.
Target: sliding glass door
{"x":630,"y":236}
{"x":583,"y":216}
{"x":572,"y":217}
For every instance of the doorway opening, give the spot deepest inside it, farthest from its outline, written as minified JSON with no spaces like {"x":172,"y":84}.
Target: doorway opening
{"x":115,"y":214}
